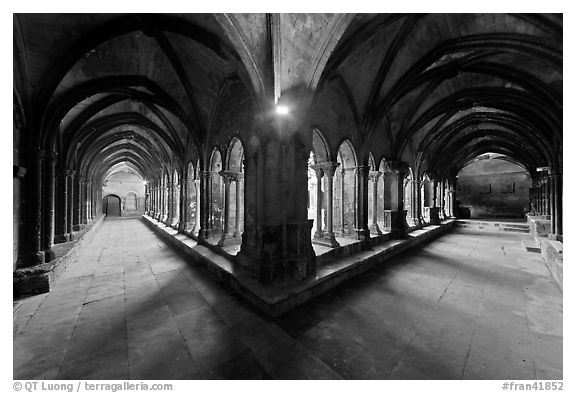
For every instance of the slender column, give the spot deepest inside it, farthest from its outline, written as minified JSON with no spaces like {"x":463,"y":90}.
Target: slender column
{"x":329,"y":168}
{"x":89,"y":201}
{"x":71,"y":198}
{"x":319,"y":224}
{"x":435,"y":209}
{"x":342,"y":195}
{"x":32,"y":214}
{"x":62,"y":234}
{"x":169,"y":204}
{"x":48,"y":208}
{"x":83,"y":194}
{"x":417,"y":202}
{"x":394,"y":213}
{"x":197,"y":207}
{"x":556,"y":206}
{"x":205,"y":204}
{"x":78,"y":197}
{"x":225,"y":226}
{"x":174,"y":200}
{"x":185,"y":210}
{"x":374,"y":176}
{"x":239,"y":178}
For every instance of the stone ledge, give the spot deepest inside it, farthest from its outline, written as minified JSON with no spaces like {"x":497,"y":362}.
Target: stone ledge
{"x":553,"y":257}
{"x":275,"y":301}
{"x":41,"y":278}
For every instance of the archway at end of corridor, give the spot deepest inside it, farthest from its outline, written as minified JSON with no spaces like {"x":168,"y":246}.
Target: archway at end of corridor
{"x":111,"y":206}
{"x":493,"y":185}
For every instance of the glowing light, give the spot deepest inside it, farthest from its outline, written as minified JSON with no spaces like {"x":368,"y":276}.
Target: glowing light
{"x":282,"y":109}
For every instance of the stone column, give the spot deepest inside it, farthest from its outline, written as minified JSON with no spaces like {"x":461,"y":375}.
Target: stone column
{"x":70,"y":205}
{"x":394,"y":213}
{"x":205,"y":205}
{"x":319,"y":224}
{"x":417,"y":202}
{"x":239,"y":178}
{"x":328,"y":238}
{"x":168,"y":214}
{"x":175,"y":200}
{"x":374,"y":176}
{"x":32,"y":214}
{"x":556,"y":213}
{"x":196,"y":228}
{"x":435,"y":209}
{"x":228,"y":178}
{"x":342,"y":198}
{"x":79,"y":197}
{"x":49,"y":207}
{"x":89,"y":201}
{"x":442,"y":206}
{"x":62,"y":234}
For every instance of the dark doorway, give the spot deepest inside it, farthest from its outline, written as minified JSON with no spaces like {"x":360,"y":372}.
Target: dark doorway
{"x":111,"y":206}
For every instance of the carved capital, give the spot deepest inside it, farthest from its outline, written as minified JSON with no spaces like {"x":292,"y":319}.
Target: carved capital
{"x":70,"y":172}
{"x":206,"y":175}
{"x":328,"y":168}
{"x":374,"y":175}
{"x":399,"y":167}
{"x":362,"y":170}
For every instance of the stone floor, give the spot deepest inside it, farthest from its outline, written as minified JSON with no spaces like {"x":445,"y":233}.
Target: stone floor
{"x":467,"y":306}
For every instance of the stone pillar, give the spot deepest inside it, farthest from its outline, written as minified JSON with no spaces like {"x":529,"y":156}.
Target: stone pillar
{"x":176,"y":194}
{"x":277,"y":242}
{"x":328,"y":238}
{"x":78,"y":198}
{"x":556,"y":213}
{"x":319,"y":224}
{"x":205,"y":205}
{"x":70,"y":205}
{"x":49,"y":207}
{"x":227,"y":177}
{"x":417,"y":202}
{"x":32,"y":253}
{"x":342,"y":199}
{"x":169,"y":213}
{"x":89,"y":201}
{"x":62,"y":234}
{"x":197,"y":224}
{"x":435,"y":209}
{"x":374,"y":176}
{"x":394,"y":213}
{"x":238,"y":180}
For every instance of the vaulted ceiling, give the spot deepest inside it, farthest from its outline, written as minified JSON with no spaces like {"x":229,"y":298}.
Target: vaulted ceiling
{"x":435,"y":90}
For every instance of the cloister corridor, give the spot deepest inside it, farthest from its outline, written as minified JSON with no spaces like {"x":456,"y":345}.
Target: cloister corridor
{"x":466,"y":306}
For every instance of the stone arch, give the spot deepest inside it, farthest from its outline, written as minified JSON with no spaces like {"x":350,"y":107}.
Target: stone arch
{"x":112,"y":205}
{"x":216,"y":188}
{"x":345,"y":189}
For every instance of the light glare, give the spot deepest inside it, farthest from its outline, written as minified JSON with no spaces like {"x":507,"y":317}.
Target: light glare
{"x":282,"y":109}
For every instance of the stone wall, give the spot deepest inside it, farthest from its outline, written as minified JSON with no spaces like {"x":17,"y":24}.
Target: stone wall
{"x":493,"y":188}
{"x":122,"y":184}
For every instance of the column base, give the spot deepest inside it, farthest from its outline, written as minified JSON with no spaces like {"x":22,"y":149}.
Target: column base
{"x":62,"y":238}
{"x":31,"y":259}
{"x":328,"y":240}
{"x":204,"y":233}
{"x":435,"y":215}
{"x":395,"y":223}
{"x":225,"y":239}
{"x":375,"y":229}
{"x":362,"y":234}
{"x":49,"y":255}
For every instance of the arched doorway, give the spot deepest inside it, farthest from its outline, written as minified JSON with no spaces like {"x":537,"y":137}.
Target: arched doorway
{"x":111,"y":206}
